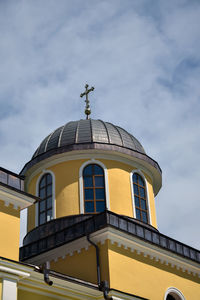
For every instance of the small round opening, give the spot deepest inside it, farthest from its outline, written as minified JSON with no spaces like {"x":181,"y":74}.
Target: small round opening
{"x":170,"y":297}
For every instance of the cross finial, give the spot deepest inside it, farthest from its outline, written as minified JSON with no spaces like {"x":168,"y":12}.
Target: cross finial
{"x":87,"y":106}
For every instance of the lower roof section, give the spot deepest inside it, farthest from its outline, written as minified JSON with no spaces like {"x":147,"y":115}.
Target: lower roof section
{"x":47,"y":238}
{"x":29,"y":280}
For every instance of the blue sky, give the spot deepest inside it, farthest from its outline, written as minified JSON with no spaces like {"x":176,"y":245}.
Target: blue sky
{"x":143,"y":57}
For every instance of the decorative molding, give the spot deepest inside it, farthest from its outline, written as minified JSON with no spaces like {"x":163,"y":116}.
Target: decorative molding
{"x":89,"y":154}
{"x":17,"y":199}
{"x":93,"y":161}
{"x":129,"y":243}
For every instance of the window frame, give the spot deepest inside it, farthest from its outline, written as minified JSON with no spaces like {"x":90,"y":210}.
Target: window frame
{"x":93,"y":188}
{"x":44,"y":172}
{"x":147,"y":195}
{"x":81,"y":183}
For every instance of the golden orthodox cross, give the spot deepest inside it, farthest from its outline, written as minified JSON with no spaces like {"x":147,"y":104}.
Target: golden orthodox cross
{"x":87,"y":107}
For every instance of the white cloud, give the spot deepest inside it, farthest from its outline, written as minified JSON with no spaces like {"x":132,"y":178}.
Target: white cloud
{"x":143,"y":59}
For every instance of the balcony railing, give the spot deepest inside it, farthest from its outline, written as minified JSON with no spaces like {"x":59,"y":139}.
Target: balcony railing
{"x":58,"y":232}
{"x":11,"y":179}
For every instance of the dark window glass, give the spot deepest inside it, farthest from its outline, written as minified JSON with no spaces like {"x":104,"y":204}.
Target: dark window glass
{"x":99,"y":194}
{"x":89,"y":194}
{"x":100,"y":206}
{"x":42,"y":183}
{"x":98,"y":170}
{"x":88,"y":170}
{"x":138,"y":214}
{"x":49,"y":190}
{"x":45,"y":193}
{"x":49,"y":179}
{"x":140,"y":181}
{"x":42,"y":193}
{"x":89,"y":206}
{"x":142,"y":194}
{"x":49,"y":202}
{"x":144,"y":216}
{"x":42,"y":205}
{"x":143,"y":204}
{"x":94,"y":189}
{"x":42,"y":218}
{"x":88,"y":182}
{"x":140,"y":198}
{"x":99,"y":181}
{"x":137,"y":202}
{"x":136,"y":189}
{"x":135,"y":177}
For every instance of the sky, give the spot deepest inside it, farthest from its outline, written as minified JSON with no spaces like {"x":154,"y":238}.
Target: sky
{"x":142,"y":57}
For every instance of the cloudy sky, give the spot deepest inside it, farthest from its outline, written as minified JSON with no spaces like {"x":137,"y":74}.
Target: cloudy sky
{"x":142,"y":56}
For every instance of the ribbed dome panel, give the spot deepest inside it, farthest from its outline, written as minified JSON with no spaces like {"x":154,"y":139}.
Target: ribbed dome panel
{"x":53,"y":141}
{"x":89,"y":131}
{"x":68,"y":135}
{"x":113,"y":133}
{"x":99,"y":132}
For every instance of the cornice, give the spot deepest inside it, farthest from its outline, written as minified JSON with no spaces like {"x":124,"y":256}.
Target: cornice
{"x":131,"y":244}
{"x":134,"y":162}
{"x":17,"y":199}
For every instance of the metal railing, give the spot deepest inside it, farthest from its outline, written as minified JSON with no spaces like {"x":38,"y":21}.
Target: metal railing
{"x":13,"y":180}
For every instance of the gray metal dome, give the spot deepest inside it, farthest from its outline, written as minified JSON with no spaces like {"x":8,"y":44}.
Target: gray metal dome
{"x":88,"y":131}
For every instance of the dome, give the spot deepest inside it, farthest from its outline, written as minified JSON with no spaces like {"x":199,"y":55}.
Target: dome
{"x":88,"y":131}
{"x":91,"y":135}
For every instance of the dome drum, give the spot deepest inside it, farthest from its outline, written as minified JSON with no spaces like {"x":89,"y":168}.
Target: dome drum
{"x":92,"y":135}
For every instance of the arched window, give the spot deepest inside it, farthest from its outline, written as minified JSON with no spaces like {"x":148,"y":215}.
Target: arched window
{"x":45,"y":212}
{"x":94,"y":189}
{"x":140,"y":198}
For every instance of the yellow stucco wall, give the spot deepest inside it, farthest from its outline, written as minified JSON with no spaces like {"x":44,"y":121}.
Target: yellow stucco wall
{"x":67,"y":189}
{"x":83,"y":265}
{"x":10,"y":231}
{"x":141,"y":276}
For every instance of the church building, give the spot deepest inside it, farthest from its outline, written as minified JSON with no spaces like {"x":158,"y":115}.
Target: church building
{"x":92,"y":232}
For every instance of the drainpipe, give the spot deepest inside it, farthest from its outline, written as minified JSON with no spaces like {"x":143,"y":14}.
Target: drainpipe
{"x":103,"y":285}
{"x":46,"y":269}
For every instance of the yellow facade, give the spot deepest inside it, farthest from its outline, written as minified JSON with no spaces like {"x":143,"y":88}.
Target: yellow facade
{"x":83,"y":265}
{"x":148,"y":278}
{"x":10,"y":230}
{"x":67,"y":189}
{"x":133,"y":273}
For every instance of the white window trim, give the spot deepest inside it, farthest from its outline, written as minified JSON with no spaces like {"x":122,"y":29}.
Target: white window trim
{"x":147,"y":194}
{"x":174,"y":292}
{"x":53,"y":194}
{"x":93,"y":161}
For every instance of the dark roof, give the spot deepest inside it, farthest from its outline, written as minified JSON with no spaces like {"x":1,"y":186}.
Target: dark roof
{"x":59,"y":232}
{"x":88,"y":131}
